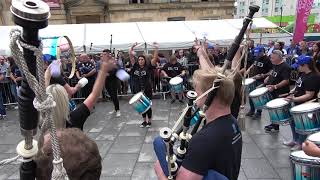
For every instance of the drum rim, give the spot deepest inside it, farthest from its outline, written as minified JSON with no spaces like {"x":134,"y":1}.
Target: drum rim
{"x":310,"y":110}
{"x":278,"y":106}
{"x":173,"y":83}
{"x":305,"y":161}
{"x":316,"y":142}
{"x":253,"y":80}
{"x":250,"y":94}
{"x":131,"y":100}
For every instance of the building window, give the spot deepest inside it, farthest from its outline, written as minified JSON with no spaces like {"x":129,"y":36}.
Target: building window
{"x":136,"y":1}
{"x":276,"y":9}
{"x":267,"y":1}
{"x":277,"y":1}
{"x":176,"y":19}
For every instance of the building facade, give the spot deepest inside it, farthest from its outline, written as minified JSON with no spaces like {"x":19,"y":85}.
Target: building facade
{"x":274,"y":8}
{"x":101,"y":11}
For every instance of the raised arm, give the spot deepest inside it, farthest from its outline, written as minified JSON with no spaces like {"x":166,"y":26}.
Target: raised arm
{"x":107,"y":64}
{"x":131,"y":53}
{"x":155,"y":54}
{"x":203,"y":58}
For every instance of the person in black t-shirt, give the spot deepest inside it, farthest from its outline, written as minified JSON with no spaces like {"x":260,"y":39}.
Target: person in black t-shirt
{"x":141,"y":74}
{"x":278,"y":81}
{"x":307,"y":87}
{"x":218,"y":145}
{"x":258,"y":71}
{"x":174,"y":69}
{"x":61,"y":115}
{"x":111,"y":86}
{"x":87,"y":69}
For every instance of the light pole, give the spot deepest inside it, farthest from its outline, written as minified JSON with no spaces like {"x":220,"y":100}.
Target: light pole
{"x":281,"y":9}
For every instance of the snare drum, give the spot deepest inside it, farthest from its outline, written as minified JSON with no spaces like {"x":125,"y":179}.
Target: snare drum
{"x":279,"y":111}
{"x":306,"y":117}
{"x":305,"y":167}
{"x":140,"y":102}
{"x":260,"y":97}
{"x":250,"y":84}
{"x":176,"y":84}
{"x":315,"y":138}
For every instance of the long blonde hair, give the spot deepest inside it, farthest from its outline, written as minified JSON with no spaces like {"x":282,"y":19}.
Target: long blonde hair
{"x":61,"y":111}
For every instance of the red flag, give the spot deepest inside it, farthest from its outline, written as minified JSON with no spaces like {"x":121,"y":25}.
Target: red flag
{"x":303,"y":11}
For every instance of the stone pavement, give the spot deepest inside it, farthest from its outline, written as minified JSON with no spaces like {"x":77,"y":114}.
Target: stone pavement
{"x":127,"y":149}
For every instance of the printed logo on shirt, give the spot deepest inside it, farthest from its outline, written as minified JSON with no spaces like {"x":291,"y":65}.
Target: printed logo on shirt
{"x":258,"y":64}
{"x":274,"y":74}
{"x":173,"y":68}
{"x":299,"y":82}
{"x":140,"y":73}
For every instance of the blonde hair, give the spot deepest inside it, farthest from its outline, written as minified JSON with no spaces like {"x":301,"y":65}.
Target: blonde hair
{"x":203,"y":78}
{"x":61,"y":111}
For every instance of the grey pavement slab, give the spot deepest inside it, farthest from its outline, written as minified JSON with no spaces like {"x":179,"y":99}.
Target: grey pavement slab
{"x":127,"y":150}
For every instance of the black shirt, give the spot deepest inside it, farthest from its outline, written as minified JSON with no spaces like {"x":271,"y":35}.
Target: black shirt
{"x":58,"y":80}
{"x":261,"y":65}
{"x":279,"y":73}
{"x":173,"y":70}
{"x":16,"y":73}
{"x":217,"y":146}
{"x":307,"y":82}
{"x":78,"y":117}
{"x":142,"y":79}
{"x":250,"y":59}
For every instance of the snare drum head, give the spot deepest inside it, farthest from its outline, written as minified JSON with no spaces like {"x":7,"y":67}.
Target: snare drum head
{"x":175,"y":80}
{"x":279,"y":102}
{"x":307,"y":107}
{"x":314,"y":137}
{"x":248,"y":81}
{"x":258,"y":92}
{"x":135,"y":97}
{"x":300,"y":156}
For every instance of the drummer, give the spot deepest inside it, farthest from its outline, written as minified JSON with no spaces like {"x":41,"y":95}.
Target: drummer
{"x":306,"y":89}
{"x":141,"y":73}
{"x":174,"y":69}
{"x":258,"y":71}
{"x":278,"y":81}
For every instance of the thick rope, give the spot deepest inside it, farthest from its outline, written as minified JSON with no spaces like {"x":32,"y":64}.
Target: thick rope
{"x":43,"y":101}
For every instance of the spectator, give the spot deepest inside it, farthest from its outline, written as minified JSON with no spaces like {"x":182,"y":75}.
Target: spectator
{"x":182,"y":59}
{"x":271,"y":47}
{"x":280,"y":46}
{"x":87,"y":69}
{"x":304,"y":49}
{"x":316,"y":56}
{"x":15,"y":76}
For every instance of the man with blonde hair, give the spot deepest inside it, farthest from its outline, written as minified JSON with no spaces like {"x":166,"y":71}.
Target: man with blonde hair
{"x":217,"y":146}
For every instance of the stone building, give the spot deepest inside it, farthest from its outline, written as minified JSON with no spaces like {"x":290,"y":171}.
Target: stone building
{"x":100,"y":11}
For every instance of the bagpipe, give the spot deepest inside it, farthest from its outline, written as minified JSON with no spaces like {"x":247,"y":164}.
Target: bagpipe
{"x":170,"y":159}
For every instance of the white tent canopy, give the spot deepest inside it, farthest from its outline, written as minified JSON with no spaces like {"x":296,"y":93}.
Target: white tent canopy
{"x":123,"y":36}
{"x":169,"y":35}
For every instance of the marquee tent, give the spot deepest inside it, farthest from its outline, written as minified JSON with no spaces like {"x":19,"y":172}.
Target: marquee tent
{"x":169,"y":35}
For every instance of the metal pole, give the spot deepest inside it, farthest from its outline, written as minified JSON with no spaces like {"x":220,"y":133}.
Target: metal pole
{"x":281,"y":16}
{"x":31,"y":15}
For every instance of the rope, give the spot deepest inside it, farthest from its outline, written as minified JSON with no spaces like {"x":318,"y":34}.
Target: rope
{"x":43,"y":101}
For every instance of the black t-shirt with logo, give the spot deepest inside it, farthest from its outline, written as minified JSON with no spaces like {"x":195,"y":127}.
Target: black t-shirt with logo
{"x":142,"y":79}
{"x":279,"y":73}
{"x":173,"y":70}
{"x":217,"y":146}
{"x":261,"y":65}
{"x":307,"y":82}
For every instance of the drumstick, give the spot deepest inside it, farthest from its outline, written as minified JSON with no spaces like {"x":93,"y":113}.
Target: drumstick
{"x":261,"y":85}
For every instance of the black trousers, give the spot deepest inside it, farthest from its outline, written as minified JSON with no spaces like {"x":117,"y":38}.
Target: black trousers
{"x":86,"y":90}
{"x":112,"y":89}
{"x":148,"y":113}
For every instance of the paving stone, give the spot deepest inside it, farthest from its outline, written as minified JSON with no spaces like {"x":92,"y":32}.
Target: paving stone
{"x":251,"y":150}
{"x":144,"y":171}
{"x":150,"y":136}
{"x":114,"y":178}
{"x":96,"y":130}
{"x":279,"y":158}
{"x":268,"y":141}
{"x":118,"y":164}
{"x":157,"y":125}
{"x":8,"y":148}
{"x":285,"y":173}
{"x":132,"y":130}
{"x":127,"y":144}
{"x":107,"y":135}
{"x":104,"y":147}
{"x":242,"y":176}
{"x":147,"y":154}
{"x":258,"y":168}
